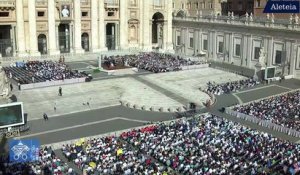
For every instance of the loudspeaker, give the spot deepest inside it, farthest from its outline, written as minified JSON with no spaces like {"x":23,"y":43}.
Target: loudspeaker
{"x":25,"y":117}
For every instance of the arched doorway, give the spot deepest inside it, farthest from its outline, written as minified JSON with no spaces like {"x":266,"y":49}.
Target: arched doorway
{"x":157,"y":29}
{"x":6,"y":42}
{"x":64,"y":38}
{"x":85,"y":42}
{"x":42,"y":44}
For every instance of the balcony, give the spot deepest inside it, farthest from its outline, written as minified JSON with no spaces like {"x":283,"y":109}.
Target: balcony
{"x":7,"y":3}
{"x":111,"y":3}
{"x":41,"y":2}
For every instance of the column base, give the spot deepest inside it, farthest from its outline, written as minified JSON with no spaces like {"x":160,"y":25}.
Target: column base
{"x":147,"y":48}
{"x":22,"y":54}
{"x":54,"y":52}
{"x":104,"y":49}
{"x":95,"y":50}
{"x":35,"y":53}
{"x":78,"y":51}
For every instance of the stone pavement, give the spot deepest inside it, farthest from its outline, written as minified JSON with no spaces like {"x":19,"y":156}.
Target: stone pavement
{"x":97,"y":94}
{"x":186,"y":83}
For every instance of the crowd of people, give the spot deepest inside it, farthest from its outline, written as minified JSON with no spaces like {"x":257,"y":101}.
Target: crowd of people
{"x":205,"y":144}
{"x":39,"y":71}
{"x":283,"y":110}
{"x":152,"y":61}
{"x":49,"y":164}
{"x":111,"y":156}
{"x":213,"y":145}
{"x":219,"y":89}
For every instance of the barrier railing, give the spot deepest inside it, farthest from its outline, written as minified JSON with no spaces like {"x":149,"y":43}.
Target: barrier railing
{"x":264,"y":123}
{"x":52,"y":83}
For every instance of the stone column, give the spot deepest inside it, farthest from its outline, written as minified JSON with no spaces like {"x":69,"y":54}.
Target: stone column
{"x":13,"y":39}
{"x":52,"y":37}
{"x":32,"y":29}
{"x":168,"y":39}
{"x":20,"y":29}
{"x":102,"y":27}
{"x":123,"y":25}
{"x":147,"y":42}
{"x":249,"y":51}
{"x":71,"y":36}
{"x":94,"y":26}
{"x":77,"y":27}
{"x":231,"y":48}
{"x":270,"y":52}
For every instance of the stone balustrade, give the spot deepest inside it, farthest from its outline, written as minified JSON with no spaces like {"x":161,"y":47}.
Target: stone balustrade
{"x":291,"y":24}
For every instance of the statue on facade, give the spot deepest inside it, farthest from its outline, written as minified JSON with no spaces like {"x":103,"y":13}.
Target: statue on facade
{"x":268,"y":16}
{"x":4,"y":85}
{"x":251,"y":16}
{"x":247,"y":15}
{"x":200,"y":13}
{"x":229,"y":14}
{"x":272,"y":18}
{"x":65,"y":12}
{"x":262,"y":57}
{"x":296,"y":19}
{"x":291,"y":19}
{"x":232,"y":16}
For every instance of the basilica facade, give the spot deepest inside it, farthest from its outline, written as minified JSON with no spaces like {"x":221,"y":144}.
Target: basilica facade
{"x":53,"y":27}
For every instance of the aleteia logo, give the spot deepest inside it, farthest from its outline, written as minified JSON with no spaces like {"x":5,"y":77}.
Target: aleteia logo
{"x":282,"y":6}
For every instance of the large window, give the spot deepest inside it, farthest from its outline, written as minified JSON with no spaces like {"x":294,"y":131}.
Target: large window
{"x":256,"y":52}
{"x":237,"y":46}
{"x":221,"y":47}
{"x":157,"y":2}
{"x":205,"y":44}
{"x":278,"y":57}
{"x":191,"y":42}
{"x":237,"y":50}
{"x":257,"y":3}
{"x":178,"y":40}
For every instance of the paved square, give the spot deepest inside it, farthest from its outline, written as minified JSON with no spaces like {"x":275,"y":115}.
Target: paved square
{"x":98,"y":93}
{"x":187,"y":83}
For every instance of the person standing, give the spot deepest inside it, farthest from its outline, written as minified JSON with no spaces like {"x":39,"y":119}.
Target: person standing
{"x":60,"y":91}
{"x":45,"y":117}
{"x":11,"y":87}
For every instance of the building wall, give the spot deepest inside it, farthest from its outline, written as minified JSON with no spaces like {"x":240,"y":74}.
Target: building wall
{"x":238,"y":43}
{"x":192,"y":7}
{"x":33,"y":20}
{"x":240,"y":7}
{"x":259,"y":6}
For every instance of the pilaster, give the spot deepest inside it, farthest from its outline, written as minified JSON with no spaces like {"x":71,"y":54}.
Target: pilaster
{"x":32,"y":29}
{"x":94,"y":26}
{"x":123,"y":24}
{"x":20,"y":29}
{"x":52,"y":30}
{"x":77,"y":27}
{"x":102,"y":26}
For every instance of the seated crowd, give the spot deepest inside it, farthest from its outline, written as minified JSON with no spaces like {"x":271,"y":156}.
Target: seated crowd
{"x":219,"y":89}
{"x":48,"y":164}
{"x":205,"y":144}
{"x":212,"y":145}
{"x":152,"y":61}
{"x":40,"y":71}
{"x":111,"y":156}
{"x":283,"y":110}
